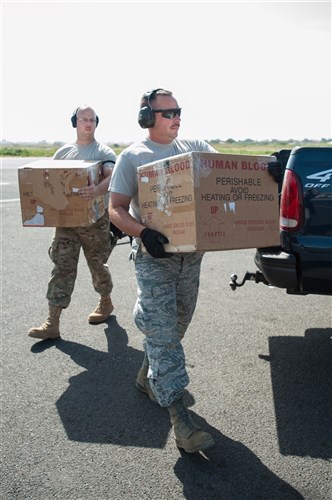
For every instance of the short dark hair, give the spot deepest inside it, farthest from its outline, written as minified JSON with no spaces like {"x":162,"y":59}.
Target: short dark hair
{"x":150,"y":96}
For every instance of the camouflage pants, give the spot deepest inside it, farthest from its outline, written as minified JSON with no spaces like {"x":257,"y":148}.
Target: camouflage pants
{"x":64,"y":253}
{"x":167,"y":297}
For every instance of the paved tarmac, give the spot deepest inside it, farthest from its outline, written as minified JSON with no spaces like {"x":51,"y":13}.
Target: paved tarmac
{"x":74,"y":426}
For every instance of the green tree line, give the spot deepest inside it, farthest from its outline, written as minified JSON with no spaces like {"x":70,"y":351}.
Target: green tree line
{"x":230,"y":146}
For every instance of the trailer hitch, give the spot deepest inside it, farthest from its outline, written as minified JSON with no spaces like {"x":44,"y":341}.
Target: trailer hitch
{"x":257,"y":277}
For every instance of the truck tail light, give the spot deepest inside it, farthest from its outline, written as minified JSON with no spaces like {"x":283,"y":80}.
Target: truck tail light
{"x":291,"y":204}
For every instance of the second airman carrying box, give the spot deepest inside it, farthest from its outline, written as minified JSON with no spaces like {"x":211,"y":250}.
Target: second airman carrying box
{"x":210,"y":201}
{"x":48,"y":193}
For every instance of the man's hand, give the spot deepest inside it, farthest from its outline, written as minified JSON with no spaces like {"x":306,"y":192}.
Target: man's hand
{"x":88,"y":192}
{"x":153,"y":242}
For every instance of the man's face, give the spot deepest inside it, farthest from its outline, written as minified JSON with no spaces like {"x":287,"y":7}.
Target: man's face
{"x":166,"y":127}
{"x":86,"y":122}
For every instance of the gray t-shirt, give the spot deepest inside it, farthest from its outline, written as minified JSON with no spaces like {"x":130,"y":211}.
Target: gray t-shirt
{"x":94,"y":151}
{"x":124,"y":178}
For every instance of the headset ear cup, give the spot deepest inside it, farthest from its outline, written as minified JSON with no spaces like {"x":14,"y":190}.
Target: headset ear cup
{"x":74,"y":120}
{"x":146,"y":117}
{"x":97,"y":121}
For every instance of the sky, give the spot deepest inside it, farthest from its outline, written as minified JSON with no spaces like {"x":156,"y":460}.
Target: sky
{"x":257,"y":70}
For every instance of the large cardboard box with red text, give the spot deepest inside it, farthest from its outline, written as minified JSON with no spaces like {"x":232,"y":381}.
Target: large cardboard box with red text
{"x":48,"y":193}
{"x":210,"y":201}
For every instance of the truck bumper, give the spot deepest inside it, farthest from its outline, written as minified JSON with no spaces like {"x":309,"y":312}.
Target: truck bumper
{"x":278,"y":268}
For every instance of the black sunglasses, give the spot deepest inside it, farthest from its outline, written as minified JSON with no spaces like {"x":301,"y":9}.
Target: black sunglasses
{"x":168,"y":113}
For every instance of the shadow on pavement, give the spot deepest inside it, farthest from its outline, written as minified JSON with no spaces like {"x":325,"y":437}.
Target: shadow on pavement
{"x":229,"y":471}
{"x":102,"y":405}
{"x":301,"y":382}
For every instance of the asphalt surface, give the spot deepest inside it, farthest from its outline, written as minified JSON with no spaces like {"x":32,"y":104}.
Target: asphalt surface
{"x":74,"y":426}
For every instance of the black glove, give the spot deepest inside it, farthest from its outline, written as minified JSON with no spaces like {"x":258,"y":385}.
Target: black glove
{"x":275,"y":168}
{"x":153,"y":242}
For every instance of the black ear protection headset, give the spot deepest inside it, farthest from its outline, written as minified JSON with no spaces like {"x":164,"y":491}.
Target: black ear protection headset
{"x":146,"y":117}
{"x":74,"y":118}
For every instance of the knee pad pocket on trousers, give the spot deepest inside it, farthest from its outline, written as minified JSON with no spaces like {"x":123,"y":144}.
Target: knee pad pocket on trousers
{"x":163,"y":325}
{"x":160,"y":292}
{"x":64,"y":254}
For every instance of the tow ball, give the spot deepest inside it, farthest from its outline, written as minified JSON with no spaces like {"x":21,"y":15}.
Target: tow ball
{"x":257,"y":277}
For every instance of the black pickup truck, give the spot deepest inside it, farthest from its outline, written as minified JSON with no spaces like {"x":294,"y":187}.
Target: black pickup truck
{"x":302,"y":264}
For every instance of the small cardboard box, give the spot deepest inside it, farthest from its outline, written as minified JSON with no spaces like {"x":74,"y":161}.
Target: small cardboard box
{"x":48,"y":193}
{"x":210,"y":201}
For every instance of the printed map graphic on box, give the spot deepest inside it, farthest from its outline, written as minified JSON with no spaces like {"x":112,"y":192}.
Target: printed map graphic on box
{"x":210,"y":201}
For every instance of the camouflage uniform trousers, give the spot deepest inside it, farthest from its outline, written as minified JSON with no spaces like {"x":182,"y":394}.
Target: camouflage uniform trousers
{"x":166,"y":301}
{"x":64,"y":253}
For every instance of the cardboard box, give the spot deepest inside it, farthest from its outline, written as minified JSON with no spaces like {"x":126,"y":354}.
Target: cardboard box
{"x":210,"y":201}
{"x":48,"y":193}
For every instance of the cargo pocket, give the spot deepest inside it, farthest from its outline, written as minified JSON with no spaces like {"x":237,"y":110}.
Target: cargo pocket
{"x":154,"y":312}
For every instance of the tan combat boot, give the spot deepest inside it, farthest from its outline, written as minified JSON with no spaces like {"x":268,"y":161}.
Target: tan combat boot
{"x":103,"y":310}
{"x":50,"y":328}
{"x":188,"y":434}
{"x":142,"y":382}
